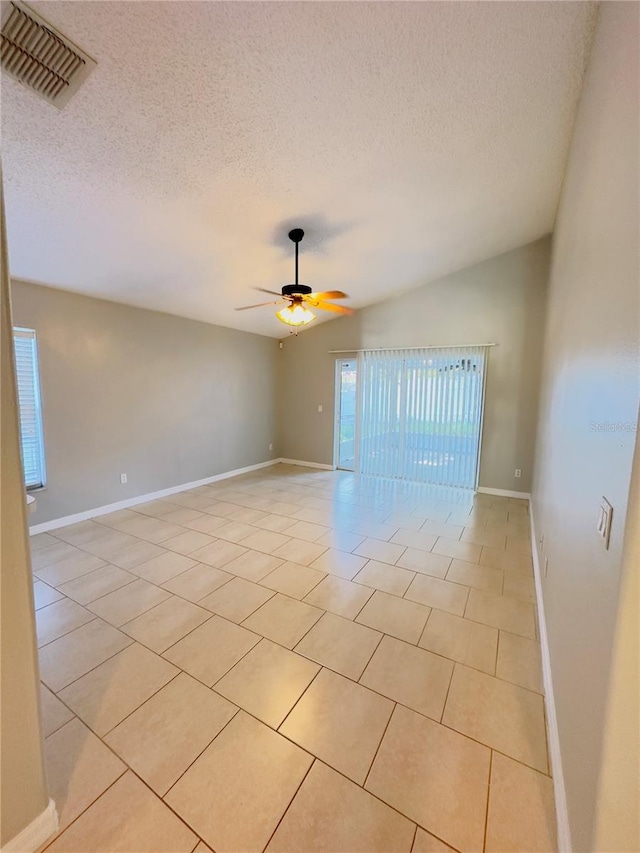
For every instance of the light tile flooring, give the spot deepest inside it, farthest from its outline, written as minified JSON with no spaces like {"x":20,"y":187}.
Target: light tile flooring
{"x":295,"y":660}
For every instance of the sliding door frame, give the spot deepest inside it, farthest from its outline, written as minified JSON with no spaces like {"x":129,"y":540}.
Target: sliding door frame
{"x":481,"y":428}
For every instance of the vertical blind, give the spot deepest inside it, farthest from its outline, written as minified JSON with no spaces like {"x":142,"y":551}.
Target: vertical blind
{"x":30,"y":409}
{"x":420,"y":414}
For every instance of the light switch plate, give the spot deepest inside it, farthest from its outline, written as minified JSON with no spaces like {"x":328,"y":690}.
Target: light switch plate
{"x":604,"y":521}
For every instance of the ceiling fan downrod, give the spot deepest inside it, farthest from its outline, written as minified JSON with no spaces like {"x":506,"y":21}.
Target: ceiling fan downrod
{"x":296,"y":235}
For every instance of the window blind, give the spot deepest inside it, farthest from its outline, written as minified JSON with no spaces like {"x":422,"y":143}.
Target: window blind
{"x":30,"y":408}
{"x":420,"y":414}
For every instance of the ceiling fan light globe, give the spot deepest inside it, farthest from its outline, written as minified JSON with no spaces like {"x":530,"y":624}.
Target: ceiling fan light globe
{"x":295,"y":315}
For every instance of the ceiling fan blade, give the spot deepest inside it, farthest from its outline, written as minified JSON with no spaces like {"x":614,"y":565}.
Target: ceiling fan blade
{"x":259,"y":305}
{"x":328,"y":294}
{"x":264,"y":290}
{"x":329,"y":306}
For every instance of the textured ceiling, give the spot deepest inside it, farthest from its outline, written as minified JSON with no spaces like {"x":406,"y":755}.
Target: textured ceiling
{"x":408,"y":139}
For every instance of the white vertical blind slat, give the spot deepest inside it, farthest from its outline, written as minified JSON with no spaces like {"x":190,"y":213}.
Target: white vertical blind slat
{"x":420,"y":414}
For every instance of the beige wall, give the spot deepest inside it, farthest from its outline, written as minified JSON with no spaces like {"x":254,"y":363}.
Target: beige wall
{"x":500,"y":301}
{"x":22,"y":782}
{"x":591,"y":377}
{"x":618,"y":811}
{"x":124,"y":390}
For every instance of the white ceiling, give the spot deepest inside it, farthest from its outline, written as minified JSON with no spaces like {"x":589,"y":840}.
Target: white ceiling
{"x":408,"y":139}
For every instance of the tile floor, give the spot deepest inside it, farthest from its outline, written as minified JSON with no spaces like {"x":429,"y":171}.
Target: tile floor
{"x":295,"y":660}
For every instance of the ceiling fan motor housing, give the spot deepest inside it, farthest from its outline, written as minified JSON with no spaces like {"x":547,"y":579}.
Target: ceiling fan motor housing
{"x":295,"y":289}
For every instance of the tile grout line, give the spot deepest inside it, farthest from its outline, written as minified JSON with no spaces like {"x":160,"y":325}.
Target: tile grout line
{"x":126,"y":717}
{"x":377,"y":749}
{"x":238,"y":710}
{"x":110,"y":657}
{"x":295,"y":794}
{"x":133,"y":579}
{"x":296,"y":703}
{"x":207,"y":594}
{"x":446,"y":698}
{"x":486,"y":814}
{"x":59,"y":833}
{"x":70,"y":631}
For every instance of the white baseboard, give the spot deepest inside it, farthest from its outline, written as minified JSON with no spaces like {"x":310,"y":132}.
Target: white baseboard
{"x":55,"y":523}
{"x":308,"y":464}
{"x":36,"y":833}
{"x":504,"y":493}
{"x":553,"y":737}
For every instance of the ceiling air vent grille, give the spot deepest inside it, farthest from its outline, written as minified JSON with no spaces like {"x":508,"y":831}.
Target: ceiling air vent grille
{"x":38,"y":56}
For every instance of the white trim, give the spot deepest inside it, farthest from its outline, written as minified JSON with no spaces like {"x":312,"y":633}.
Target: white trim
{"x":151,"y":496}
{"x":307,"y":464}
{"x":36,"y":833}
{"x":553,"y":737}
{"x":337,"y":373}
{"x":504,"y":493}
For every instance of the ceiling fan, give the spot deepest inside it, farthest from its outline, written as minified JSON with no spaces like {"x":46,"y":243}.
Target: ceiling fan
{"x":296,"y":297}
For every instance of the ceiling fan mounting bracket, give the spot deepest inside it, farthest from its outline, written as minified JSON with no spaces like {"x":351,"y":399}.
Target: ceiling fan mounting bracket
{"x":296,"y":234}
{"x":295,"y":289}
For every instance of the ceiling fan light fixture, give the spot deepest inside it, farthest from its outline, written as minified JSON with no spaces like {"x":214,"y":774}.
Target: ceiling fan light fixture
{"x":295,"y":315}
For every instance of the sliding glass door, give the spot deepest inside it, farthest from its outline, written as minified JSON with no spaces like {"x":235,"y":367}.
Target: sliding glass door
{"x":420,"y":414}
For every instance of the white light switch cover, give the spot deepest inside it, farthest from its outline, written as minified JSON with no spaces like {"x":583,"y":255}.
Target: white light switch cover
{"x":604,"y":521}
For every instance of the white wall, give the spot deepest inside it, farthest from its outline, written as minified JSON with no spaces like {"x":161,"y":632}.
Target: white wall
{"x":589,"y":403}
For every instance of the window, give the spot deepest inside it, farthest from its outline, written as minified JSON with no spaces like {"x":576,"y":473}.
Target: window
{"x":31,"y":437}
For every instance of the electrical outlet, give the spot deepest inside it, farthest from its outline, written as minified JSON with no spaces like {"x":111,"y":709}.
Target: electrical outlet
{"x":517,"y":472}
{"x":541,"y":541}
{"x":320,"y":407}
{"x":123,"y":478}
{"x":271,"y":447}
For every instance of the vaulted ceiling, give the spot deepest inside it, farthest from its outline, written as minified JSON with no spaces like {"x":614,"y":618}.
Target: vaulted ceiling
{"x":408,"y":139}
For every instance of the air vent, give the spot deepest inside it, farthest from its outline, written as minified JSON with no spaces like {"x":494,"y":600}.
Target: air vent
{"x":39,"y":57}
